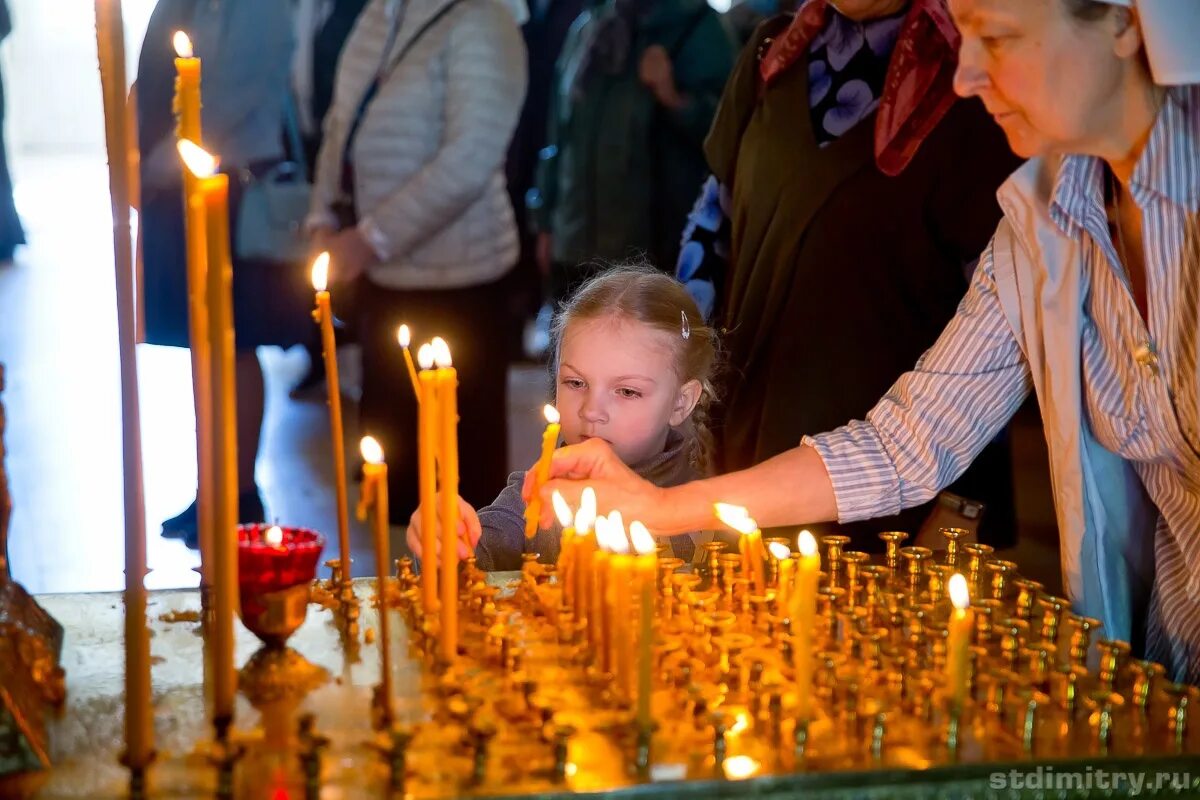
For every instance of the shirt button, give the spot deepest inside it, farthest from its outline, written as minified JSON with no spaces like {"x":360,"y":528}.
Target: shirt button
{"x":1145,"y":355}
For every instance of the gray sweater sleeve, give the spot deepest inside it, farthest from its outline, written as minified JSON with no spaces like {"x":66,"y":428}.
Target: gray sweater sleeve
{"x":503,"y":540}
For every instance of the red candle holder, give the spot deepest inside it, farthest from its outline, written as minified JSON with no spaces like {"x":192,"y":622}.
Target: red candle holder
{"x":274,"y":578}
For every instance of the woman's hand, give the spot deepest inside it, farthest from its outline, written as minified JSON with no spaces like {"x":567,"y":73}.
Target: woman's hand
{"x":594,"y":464}
{"x":658,"y":74}
{"x":469,"y":533}
{"x":350,"y":254}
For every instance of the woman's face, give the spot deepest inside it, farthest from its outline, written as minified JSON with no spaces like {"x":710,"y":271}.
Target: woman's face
{"x":863,"y":10}
{"x":1053,"y":82}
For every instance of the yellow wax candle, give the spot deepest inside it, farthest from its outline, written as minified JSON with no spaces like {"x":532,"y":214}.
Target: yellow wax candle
{"x":427,"y":444}
{"x":374,"y":497}
{"x":447,"y":382}
{"x":597,"y":611}
{"x":187,"y":111}
{"x":541,"y":472}
{"x":139,"y":724}
{"x":583,"y":549}
{"x":213,"y":187}
{"x":804,"y":615}
{"x":749,"y":543}
{"x":962,"y":622}
{"x":647,"y":569}
{"x":786,"y":568}
{"x":565,"y":550}
{"x":620,"y":586}
{"x":323,"y":316}
{"x":187,"y":89}
{"x":404,"y":337}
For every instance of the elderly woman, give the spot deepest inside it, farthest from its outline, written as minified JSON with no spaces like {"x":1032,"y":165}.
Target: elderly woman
{"x":849,"y":169}
{"x":1087,"y":295}
{"x":409,"y":200}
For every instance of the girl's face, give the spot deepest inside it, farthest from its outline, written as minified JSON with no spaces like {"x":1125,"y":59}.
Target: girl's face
{"x":617,"y":382}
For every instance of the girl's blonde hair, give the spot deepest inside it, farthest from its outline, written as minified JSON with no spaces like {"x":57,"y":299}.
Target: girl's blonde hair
{"x":643,"y":294}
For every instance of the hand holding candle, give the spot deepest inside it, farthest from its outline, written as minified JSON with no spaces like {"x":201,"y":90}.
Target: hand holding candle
{"x":533,"y":512}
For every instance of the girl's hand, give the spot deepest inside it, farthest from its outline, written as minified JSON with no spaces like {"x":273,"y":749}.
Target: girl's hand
{"x":594,"y":464}
{"x":469,"y":533}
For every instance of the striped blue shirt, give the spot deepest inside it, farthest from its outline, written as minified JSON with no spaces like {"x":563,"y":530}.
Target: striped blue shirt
{"x":1141,"y":379}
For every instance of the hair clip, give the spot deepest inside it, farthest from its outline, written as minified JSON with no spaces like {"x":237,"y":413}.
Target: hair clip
{"x":687,"y":329}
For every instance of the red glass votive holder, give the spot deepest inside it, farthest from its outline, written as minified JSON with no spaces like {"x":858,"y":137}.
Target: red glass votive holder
{"x":274,"y":579}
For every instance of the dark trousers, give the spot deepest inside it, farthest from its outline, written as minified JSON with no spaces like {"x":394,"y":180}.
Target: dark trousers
{"x":473,"y":323}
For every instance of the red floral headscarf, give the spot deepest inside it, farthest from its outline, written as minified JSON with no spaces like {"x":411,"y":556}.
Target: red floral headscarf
{"x":919,"y":88}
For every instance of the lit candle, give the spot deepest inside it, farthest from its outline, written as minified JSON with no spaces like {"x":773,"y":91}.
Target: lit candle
{"x":375,"y":496}
{"x":620,"y":575}
{"x":187,"y":88}
{"x":750,"y":543}
{"x":541,"y":471}
{"x":597,"y":611}
{"x":646,"y":568}
{"x":324,"y":318}
{"x":803,"y":615}
{"x":404,"y":337}
{"x":447,"y":383}
{"x":583,"y":549}
{"x":213,"y":187}
{"x":962,"y":622}
{"x":565,"y":518}
{"x":139,"y":724}
{"x":427,"y":443}
{"x":187,"y":111}
{"x":783,"y":558}
{"x":273,"y":536}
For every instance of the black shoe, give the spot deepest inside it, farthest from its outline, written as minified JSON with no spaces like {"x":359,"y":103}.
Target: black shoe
{"x":250,"y":510}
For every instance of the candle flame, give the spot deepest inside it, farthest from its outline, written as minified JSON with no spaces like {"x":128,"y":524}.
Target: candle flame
{"x":618,"y":542}
{"x":441,"y":353}
{"x":404,"y":336}
{"x":561,"y":509}
{"x":601,"y":527}
{"x":183,"y":44}
{"x":740,"y":723}
{"x":643,"y":542}
{"x":372,"y":452}
{"x":551,"y":414}
{"x":807,"y":544}
{"x":960,"y":595}
{"x":735,"y":517}
{"x":320,"y":272}
{"x":425,"y":356}
{"x":739,"y":768}
{"x":273,"y":536}
{"x":780,"y":551}
{"x":585,"y":517}
{"x":199,"y":161}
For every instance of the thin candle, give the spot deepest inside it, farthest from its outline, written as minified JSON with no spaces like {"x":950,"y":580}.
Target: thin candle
{"x":541,"y":470}
{"x":213,"y":187}
{"x":962,"y":622}
{"x":584,"y":549}
{"x":323,"y":315}
{"x":375,"y":497}
{"x":597,"y":609}
{"x":646,"y":568}
{"x":750,"y":543}
{"x":447,"y":383}
{"x":566,"y":543}
{"x":139,"y":724}
{"x":427,"y":444}
{"x":404,"y":337}
{"x":787,"y":567}
{"x":803,"y":614}
{"x":620,"y":585}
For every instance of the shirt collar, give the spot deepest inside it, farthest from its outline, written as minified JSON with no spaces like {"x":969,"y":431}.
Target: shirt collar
{"x":1169,"y":168}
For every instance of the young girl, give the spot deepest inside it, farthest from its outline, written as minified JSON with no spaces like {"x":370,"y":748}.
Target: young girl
{"x":633,"y":363}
